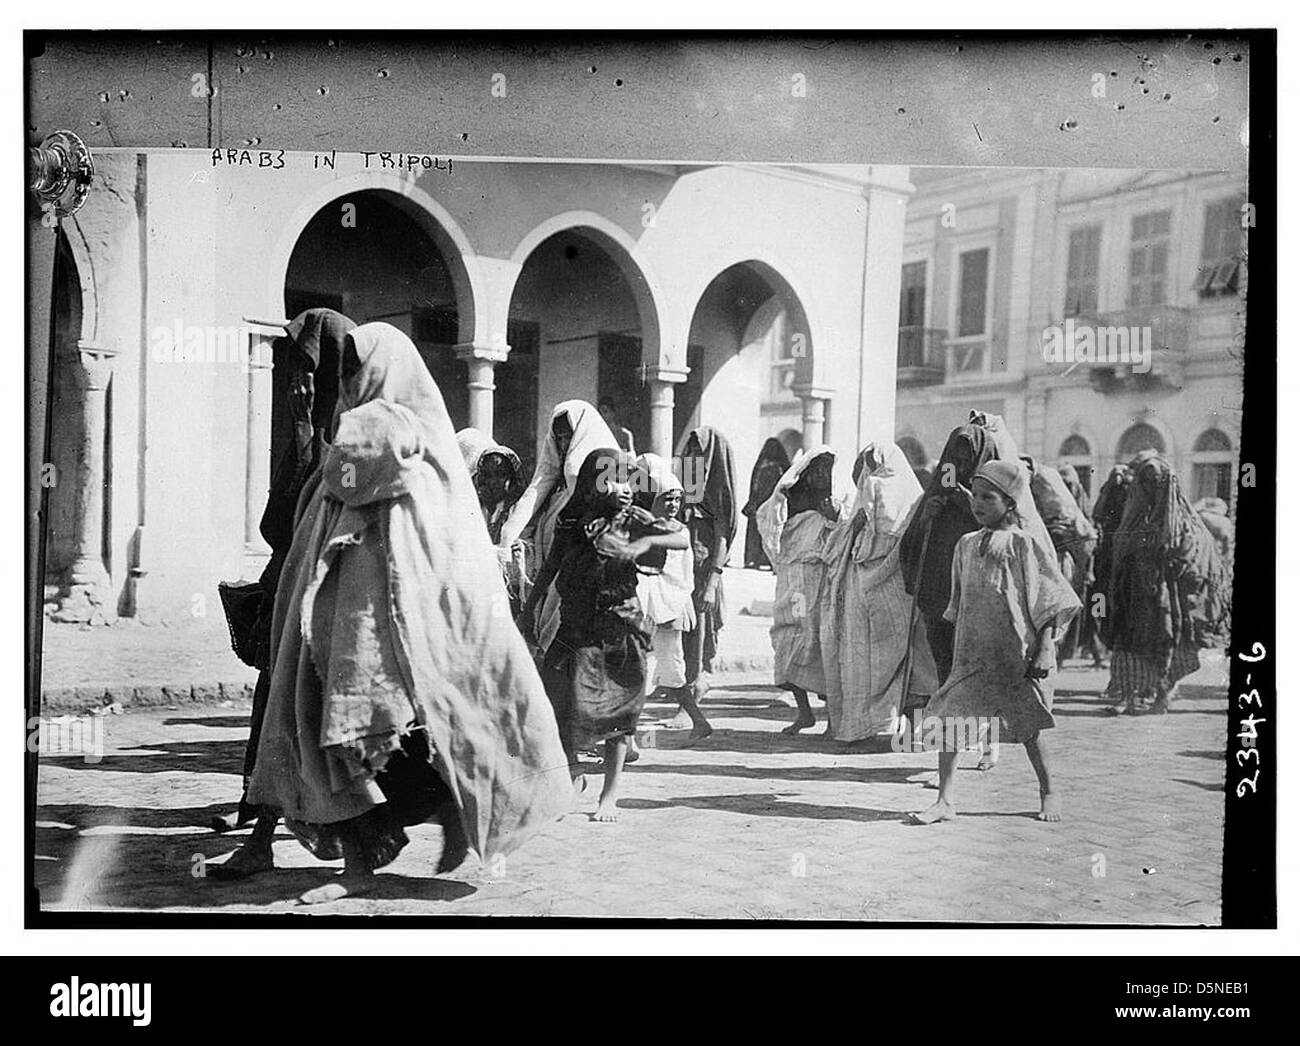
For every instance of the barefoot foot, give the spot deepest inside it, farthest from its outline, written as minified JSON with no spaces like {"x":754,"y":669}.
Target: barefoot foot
{"x":987,"y":762}
{"x":346,"y":885}
{"x":228,"y":823}
{"x":244,"y":862}
{"x":680,"y":721}
{"x":802,"y":723}
{"x":1051,"y":810}
{"x":940,"y":811}
{"x":698,"y":734}
{"x":606,"y":811}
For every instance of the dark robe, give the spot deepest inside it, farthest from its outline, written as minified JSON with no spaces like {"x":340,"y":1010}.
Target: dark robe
{"x":768,"y":470}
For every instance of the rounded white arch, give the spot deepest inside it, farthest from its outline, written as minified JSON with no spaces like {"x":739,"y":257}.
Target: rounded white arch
{"x":85,"y":265}
{"x":774,"y":269}
{"x":466,"y":274}
{"x":657,"y":342}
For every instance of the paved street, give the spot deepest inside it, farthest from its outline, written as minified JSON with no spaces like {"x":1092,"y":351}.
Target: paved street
{"x":749,"y":825}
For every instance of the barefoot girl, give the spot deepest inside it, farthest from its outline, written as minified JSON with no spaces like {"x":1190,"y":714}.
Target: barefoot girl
{"x":595,"y":666}
{"x":1009,"y":603}
{"x":666,"y":597}
{"x":399,"y":692}
{"x":797,"y":521}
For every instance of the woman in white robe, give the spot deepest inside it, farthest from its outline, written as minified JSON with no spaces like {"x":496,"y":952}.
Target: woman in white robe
{"x":867,"y":614}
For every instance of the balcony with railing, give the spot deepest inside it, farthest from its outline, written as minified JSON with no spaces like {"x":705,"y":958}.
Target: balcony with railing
{"x":1122,"y":351}
{"x":921,"y":355}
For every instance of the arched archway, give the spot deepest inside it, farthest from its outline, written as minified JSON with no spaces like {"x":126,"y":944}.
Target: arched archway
{"x":66,"y":523}
{"x":424,"y":211}
{"x":1212,"y":461}
{"x":373,"y":255}
{"x":583,"y":323}
{"x":749,"y":348}
{"x":1075,"y":450}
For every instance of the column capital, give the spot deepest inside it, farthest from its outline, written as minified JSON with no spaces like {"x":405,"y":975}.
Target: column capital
{"x":473,"y":350}
{"x":671,"y":375}
{"x":816,"y":392}
{"x":97,"y":362}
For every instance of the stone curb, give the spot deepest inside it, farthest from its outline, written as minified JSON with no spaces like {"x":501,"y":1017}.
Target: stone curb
{"x":61,"y":700}
{"x":84,"y":698}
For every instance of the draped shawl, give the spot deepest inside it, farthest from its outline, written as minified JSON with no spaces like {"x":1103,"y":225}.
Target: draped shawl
{"x":392,"y":616}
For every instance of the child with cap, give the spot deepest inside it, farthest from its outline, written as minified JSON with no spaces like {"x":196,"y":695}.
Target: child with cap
{"x":1009,"y":603}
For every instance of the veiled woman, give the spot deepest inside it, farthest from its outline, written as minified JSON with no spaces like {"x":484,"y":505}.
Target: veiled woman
{"x":1168,"y":596}
{"x":864,"y":629}
{"x":311,"y":349}
{"x":798,"y":521}
{"x":709,"y":512}
{"x":497,"y":475}
{"x":498,"y":479}
{"x":1107,"y":512}
{"x":768,"y":470}
{"x":1078,"y":546}
{"x":399,"y":691}
{"x":576,"y":429}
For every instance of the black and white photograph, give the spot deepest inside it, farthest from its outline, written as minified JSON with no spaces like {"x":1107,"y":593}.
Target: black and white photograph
{"x":454,"y":497}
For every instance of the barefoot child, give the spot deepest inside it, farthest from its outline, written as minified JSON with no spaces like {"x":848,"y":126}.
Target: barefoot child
{"x":594,"y":668}
{"x":1009,"y":603}
{"x":666,"y":596}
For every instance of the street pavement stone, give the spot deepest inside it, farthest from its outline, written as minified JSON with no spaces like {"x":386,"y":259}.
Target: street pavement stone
{"x":748,"y":825}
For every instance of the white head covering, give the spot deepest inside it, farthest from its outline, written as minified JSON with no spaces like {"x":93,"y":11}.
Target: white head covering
{"x":773,"y":513}
{"x":589,"y":433}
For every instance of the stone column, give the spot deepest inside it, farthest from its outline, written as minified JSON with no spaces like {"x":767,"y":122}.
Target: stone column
{"x":482,"y":361}
{"x":660,"y":382}
{"x":814,"y":414}
{"x":886,"y":193}
{"x":89,"y":596}
{"x":257,"y":460}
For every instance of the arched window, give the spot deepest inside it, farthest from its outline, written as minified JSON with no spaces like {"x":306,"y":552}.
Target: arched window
{"x":1138,"y":438}
{"x":1212,"y":440}
{"x":1076,"y":451}
{"x":1075,"y":447}
{"x":1212,"y":466}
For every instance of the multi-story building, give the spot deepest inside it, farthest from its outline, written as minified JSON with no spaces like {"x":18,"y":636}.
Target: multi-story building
{"x":1001,"y":268}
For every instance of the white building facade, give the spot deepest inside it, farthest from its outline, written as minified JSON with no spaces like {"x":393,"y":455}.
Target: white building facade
{"x":995,"y":262}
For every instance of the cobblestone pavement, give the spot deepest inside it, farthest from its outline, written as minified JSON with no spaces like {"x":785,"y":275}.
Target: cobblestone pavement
{"x":750,"y":825}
